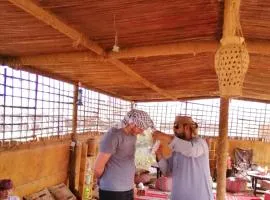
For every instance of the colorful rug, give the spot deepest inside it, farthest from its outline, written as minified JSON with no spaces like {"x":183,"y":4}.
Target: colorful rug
{"x":158,"y":195}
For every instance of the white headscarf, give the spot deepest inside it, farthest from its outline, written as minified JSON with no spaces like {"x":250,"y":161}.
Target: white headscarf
{"x":140,"y":118}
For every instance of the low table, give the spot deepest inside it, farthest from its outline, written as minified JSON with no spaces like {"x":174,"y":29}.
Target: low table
{"x":255,"y":176}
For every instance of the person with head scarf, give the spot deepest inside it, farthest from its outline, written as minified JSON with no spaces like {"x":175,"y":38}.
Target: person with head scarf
{"x":189,"y":163}
{"x":6,"y":186}
{"x":115,"y":162}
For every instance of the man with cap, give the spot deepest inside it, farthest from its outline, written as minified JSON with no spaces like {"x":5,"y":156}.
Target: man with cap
{"x":115,"y":165}
{"x":6,"y":186}
{"x":189,"y":163}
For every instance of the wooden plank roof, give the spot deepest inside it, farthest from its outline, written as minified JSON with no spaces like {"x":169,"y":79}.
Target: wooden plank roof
{"x":166,"y":48}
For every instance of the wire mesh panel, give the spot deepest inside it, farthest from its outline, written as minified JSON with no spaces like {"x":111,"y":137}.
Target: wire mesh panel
{"x":163,"y":113}
{"x":204,"y":112}
{"x":246,"y":119}
{"x":54,"y":107}
{"x":33,"y":106}
{"x":249,"y":119}
{"x":98,"y":112}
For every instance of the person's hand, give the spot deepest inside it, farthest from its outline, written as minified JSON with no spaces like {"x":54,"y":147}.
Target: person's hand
{"x":159,"y":154}
{"x":163,"y":137}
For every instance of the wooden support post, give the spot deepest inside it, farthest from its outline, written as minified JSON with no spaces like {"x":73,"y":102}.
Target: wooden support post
{"x":222,"y":148}
{"x":83,"y":168}
{"x":72,"y":157}
{"x":75,"y":113}
{"x":78,"y":151}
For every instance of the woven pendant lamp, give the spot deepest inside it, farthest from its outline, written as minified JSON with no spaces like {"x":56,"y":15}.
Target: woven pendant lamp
{"x":232,"y":58}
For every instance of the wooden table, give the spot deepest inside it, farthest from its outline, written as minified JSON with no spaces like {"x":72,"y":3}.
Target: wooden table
{"x":255,"y":176}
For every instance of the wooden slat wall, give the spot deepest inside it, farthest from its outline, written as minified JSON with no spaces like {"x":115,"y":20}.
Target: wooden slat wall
{"x":261,"y":151}
{"x":35,"y":168}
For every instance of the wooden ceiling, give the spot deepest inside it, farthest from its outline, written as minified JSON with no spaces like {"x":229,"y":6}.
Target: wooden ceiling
{"x":167,"y":48}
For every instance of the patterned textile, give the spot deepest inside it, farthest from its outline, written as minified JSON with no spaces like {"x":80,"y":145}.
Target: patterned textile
{"x":243,"y":158}
{"x":139,"y":118}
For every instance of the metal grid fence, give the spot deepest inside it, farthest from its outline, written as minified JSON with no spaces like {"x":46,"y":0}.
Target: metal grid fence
{"x":247,"y":120}
{"x":98,"y":112}
{"x":204,"y":112}
{"x":33,"y":106}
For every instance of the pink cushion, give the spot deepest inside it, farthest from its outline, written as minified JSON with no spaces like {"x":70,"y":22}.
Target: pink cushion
{"x":235,"y":184}
{"x":267,"y":195}
{"x":164,"y":184}
{"x":265,"y":184}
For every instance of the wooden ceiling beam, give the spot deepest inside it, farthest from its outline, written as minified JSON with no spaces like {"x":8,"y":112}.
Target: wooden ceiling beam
{"x":191,"y":47}
{"x":53,"y":21}
{"x":52,"y":59}
{"x":254,"y":47}
{"x":188,"y":47}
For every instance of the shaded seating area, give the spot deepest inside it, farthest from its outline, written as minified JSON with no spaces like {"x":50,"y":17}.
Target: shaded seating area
{"x":70,"y":70}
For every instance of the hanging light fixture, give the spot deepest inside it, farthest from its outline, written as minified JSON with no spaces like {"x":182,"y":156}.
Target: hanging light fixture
{"x":115,"y":48}
{"x":232,"y":58}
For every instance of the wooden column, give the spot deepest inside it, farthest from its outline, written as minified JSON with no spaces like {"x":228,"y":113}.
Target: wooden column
{"x":222,"y":148}
{"x":75,"y":113}
{"x":72,"y":156}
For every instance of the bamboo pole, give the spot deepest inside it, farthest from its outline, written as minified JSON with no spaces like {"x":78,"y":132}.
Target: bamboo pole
{"x":222,"y":148}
